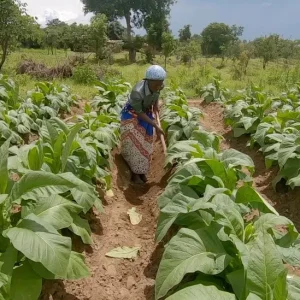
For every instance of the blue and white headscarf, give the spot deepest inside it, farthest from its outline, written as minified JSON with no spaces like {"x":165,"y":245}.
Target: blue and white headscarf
{"x":156,"y":72}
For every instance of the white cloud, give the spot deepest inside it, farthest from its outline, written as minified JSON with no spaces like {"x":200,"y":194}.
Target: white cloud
{"x":68,"y":11}
{"x":50,"y":14}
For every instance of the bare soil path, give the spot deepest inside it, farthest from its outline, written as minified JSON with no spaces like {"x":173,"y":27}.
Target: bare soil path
{"x":117,"y":279}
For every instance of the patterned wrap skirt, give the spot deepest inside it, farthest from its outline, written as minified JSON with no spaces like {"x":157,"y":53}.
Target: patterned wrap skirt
{"x":136,"y":140}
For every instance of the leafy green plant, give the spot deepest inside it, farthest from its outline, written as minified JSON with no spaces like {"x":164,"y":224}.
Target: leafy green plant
{"x":47,"y":187}
{"x":84,"y":75}
{"x":221,"y":250}
{"x":214,"y":92}
{"x":178,"y":120}
{"x":9,"y":93}
{"x":32,"y":247}
{"x":113,"y":96}
{"x":273,"y":123}
{"x":23,"y":116}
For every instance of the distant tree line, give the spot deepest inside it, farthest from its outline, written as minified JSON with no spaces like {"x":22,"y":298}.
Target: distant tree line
{"x":17,"y":29}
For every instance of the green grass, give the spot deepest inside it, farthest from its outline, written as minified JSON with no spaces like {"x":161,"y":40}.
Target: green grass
{"x":276,"y":78}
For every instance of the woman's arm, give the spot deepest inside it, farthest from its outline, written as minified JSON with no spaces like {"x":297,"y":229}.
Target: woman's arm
{"x":145,"y":118}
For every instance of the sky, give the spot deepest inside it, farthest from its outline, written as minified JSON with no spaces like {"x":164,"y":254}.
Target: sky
{"x":258,"y":17}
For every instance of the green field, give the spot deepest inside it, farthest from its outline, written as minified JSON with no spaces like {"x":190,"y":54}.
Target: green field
{"x":276,"y":78}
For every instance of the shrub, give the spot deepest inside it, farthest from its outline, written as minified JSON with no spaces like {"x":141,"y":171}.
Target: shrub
{"x":84,"y":74}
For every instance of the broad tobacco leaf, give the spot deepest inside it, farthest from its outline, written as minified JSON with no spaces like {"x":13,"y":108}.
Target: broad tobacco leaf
{"x":200,"y":291}
{"x":264,"y":267}
{"x":188,"y":252}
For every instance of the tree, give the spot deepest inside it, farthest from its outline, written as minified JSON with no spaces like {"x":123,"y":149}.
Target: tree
{"x":185,"y":33}
{"x":156,"y":23}
{"x":51,"y":39}
{"x":57,"y":35}
{"x":13,"y":26}
{"x":134,"y":13}
{"x":79,"y":38}
{"x":189,"y":51}
{"x":116,"y":30}
{"x":287,"y":49}
{"x":168,"y":46}
{"x":267,"y":48}
{"x":98,"y":34}
{"x":35,"y":36}
{"x":217,"y":37}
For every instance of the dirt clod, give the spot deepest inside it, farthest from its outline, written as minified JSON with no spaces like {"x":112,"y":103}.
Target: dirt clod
{"x":130,"y":283}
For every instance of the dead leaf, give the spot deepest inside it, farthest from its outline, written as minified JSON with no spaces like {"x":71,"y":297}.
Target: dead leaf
{"x":135,"y":218}
{"x":123,"y":252}
{"x":110,"y":194}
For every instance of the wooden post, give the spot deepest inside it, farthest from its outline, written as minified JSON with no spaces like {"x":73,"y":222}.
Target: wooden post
{"x":161,"y":136}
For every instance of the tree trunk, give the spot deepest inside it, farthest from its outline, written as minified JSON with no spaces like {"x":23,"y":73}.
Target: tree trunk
{"x":132,"y":52}
{"x":4,"y":47}
{"x":166,"y":63}
{"x":264,"y":64}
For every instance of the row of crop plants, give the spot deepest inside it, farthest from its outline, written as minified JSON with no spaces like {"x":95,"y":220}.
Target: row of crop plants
{"x":231,"y":243}
{"x":272,"y":122}
{"x":47,"y":187}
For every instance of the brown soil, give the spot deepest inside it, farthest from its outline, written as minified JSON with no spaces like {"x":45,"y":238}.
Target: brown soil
{"x":287,"y":201}
{"x":113,"y":279}
{"x":77,"y":110}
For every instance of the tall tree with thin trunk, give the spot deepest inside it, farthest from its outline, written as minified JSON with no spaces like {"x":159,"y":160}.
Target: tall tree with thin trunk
{"x":13,"y":25}
{"x":98,"y":34}
{"x":134,"y":13}
{"x":168,"y":46}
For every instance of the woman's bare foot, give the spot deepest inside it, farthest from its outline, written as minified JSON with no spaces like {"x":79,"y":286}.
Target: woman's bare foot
{"x":144,"y":178}
{"x":137,"y":179}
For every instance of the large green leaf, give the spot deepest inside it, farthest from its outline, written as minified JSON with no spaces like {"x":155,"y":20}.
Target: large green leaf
{"x":8,"y":260}
{"x":68,"y":146}
{"x":247,"y":195}
{"x":291,"y":255}
{"x":3,"y":166}
{"x":25,"y":283}
{"x":287,"y":149}
{"x":237,"y":280}
{"x":280,"y":290}
{"x":294,"y":182}
{"x":40,"y":243}
{"x":84,"y":198}
{"x":77,"y":269}
{"x":264,"y":266}
{"x":55,"y":210}
{"x":234,"y":158}
{"x":35,"y":158}
{"x":202,"y":292}
{"x":267,"y":221}
{"x":38,"y":179}
{"x":182,"y":203}
{"x":82,"y":228}
{"x":231,"y":219}
{"x":180,"y":151}
{"x":207,"y":139}
{"x":293,"y":287}
{"x":188,"y":252}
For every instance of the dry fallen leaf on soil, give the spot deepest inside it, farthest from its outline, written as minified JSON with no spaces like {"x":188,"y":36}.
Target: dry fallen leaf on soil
{"x":110,"y":194}
{"x":123,"y":252}
{"x":135,"y":218}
